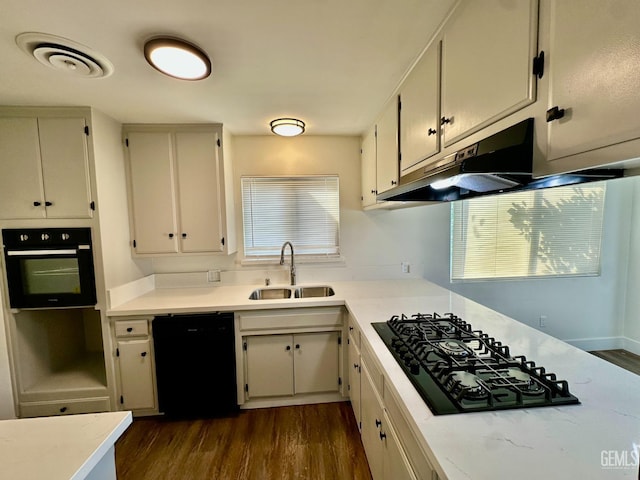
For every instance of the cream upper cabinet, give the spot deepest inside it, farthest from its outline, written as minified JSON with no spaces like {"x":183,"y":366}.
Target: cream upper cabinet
{"x":177,"y":189}
{"x":387,"y":166}
{"x":420,"y":110}
{"x":368,"y":167}
{"x":487,"y":64}
{"x":45,"y":168}
{"x":594,"y":76}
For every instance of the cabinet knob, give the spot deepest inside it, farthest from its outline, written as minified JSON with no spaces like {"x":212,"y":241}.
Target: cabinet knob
{"x":383,"y":435}
{"x":288,"y":348}
{"x":373,"y":191}
{"x":298,"y":346}
{"x":431,"y":131}
{"x":63,"y":409}
{"x":143,"y":354}
{"x":184,"y":235}
{"x":393,"y":182}
{"x":37,"y":204}
{"x":171,"y":235}
{"x":48,"y":204}
{"x":378,"y":423}
{"x":555,"y":113}
{"x":350,"y":329}
{"x":129,"y":329}
{"x":445,"y":120}
{"x":355,"y":365}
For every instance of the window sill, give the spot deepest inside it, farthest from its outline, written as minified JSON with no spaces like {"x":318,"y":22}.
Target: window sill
{"x":301,"y":260}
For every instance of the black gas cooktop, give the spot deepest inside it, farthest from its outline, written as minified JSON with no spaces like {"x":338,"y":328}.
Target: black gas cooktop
{"x":457,"y":369}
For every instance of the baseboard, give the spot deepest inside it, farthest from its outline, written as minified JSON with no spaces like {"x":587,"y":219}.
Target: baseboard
{"x":631,"y":345}
{"x":602,"y":343}
{"x":295,"y":400}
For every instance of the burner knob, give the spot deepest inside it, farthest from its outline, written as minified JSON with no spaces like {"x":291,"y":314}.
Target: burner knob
{"x":396,"y":342}
{"x":403,"y":349}
{"x":414,"y":366}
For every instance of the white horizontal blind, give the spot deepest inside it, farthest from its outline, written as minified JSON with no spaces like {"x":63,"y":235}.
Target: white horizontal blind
{"x":539,"y":233}
{"x":302,"y":210}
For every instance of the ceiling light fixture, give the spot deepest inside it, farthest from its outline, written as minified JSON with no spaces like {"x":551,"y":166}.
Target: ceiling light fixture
{"x":177,"y":58}
{"x":287,"y":127}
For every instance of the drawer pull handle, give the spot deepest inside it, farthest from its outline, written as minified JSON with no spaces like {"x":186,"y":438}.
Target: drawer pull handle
{"x":129,"y":329}
{"x":63,"y":409}
{"x":143,"y":354}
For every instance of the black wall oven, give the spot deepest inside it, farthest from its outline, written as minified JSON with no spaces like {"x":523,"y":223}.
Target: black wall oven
{"x":49,"y":267}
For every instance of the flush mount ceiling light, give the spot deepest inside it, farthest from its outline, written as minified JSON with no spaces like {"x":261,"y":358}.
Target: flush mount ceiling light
{"x":177,"y":58}
{"x":287,"y":127}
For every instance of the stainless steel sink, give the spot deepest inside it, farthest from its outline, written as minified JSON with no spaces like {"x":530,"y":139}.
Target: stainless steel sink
{"x":270,"y":294}
{"x":307,"y":292}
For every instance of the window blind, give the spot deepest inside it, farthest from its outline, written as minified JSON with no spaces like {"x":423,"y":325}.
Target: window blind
{"x":302,"y":210}
{"x":539,"y":233}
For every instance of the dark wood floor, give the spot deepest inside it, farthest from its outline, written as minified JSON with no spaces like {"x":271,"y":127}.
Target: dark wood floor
{"x":622,"y":358}
{"x":303,"y":442}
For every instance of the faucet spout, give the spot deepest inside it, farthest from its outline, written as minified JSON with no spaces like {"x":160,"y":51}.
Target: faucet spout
{"x":293,"y":265}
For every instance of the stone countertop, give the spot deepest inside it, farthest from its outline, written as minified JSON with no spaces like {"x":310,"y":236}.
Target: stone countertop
{"x":58,"y":448}
{"x":594,"y":440}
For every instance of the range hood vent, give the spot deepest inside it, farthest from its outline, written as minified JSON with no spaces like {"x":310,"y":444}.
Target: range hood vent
{"x":500,"y":163}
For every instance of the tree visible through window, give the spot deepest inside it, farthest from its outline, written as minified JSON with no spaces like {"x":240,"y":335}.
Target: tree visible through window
{"x":302,"y":210}
{"x":538,"y":233}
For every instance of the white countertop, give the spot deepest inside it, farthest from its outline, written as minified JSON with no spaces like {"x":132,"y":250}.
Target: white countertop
{"x":58,"y":448}
{"x":593,"y":440}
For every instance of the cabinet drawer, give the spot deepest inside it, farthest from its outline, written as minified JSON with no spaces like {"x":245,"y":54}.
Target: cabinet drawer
{"x":408,"y":441}
{"x":64,"y":407}
{"x":132,"y":328}
{"x":298,"y":318}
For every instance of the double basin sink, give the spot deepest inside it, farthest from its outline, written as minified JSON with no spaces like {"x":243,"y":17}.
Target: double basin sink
{"x":282,"y":293}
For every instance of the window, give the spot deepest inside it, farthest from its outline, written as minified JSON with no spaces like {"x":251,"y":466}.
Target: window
{"x":539,"y":233}
{"x":302,"y":210}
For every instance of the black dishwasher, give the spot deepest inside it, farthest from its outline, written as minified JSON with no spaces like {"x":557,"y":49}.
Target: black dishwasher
{"x":195,"y":364}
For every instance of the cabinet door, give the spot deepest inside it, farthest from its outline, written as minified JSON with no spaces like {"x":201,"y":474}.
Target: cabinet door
{"x":152,"y":191}
{"x":65,"y":167}
{"x":368,"y":167}
{"x":420,"y":111}
{"x":371,"y":423}
{"x":387,"y":166}
{"x":21,"y":178}
{"x":354,"y":380}
{"x":315,"y":362}
{"x":136,"y":374}
{"x":269,"y":364}
{"x":594,"y":75}
{"x":199,"y":192}
{"x":487,"y":57}
{"x":395,"y":463}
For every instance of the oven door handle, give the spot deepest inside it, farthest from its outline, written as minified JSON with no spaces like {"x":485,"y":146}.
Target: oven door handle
{"x":43,"y":253}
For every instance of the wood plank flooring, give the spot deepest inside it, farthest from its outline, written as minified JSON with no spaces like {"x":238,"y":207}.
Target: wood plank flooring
{"x":302,"y":442}
{"x":622,"y":358}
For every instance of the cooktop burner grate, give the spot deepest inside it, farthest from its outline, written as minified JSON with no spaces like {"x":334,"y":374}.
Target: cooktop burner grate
{"x":457,"y":369}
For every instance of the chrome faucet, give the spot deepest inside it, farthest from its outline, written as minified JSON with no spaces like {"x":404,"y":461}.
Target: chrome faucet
{"x":293,"y":265}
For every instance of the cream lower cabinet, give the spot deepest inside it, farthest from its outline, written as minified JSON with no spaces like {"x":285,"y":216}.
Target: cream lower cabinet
{"x":355,"y":375}
{"x":289,"y":356}
{"x":134,"y":356}
{"x":279,"y":365}
{"x":391,"y":448}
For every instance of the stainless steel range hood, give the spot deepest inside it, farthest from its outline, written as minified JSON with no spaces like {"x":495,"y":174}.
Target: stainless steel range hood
{"x":500,"y":163}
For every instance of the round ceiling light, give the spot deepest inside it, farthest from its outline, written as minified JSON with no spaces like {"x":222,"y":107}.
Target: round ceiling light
{"x":287,"y":127}
{"x":177,"y":58}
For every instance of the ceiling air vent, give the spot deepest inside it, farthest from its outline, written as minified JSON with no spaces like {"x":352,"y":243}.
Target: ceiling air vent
{"x":65,"y":55}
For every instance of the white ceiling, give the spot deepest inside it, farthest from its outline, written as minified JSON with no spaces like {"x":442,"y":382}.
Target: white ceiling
{"x":331,"y":63}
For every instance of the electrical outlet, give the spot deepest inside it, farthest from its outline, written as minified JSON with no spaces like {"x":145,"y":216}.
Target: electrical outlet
{"x":213,"y":276}
{"x":406,"y":267}
{"x":543,"y":321}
